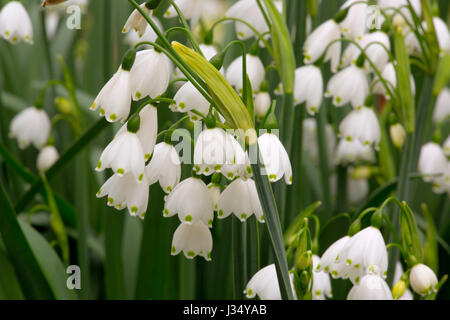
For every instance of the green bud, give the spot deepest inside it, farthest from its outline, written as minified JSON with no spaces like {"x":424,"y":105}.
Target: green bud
{"x":304,"y":279}
{"x":64,"y":105}
{"x":254,"y":49}
{"x":210,"y":120}
{"x":399,"y":290}
{"x":398,"y":135}
{"x":152,"y":4}
{"x":134,"y":123}
{"x":128,"y":59}
{"x":271,"y":122}
{"x":355,"y":227}
{"x":341,"y":15}
{"x":377,"y":219}
{"x":303,"y":259}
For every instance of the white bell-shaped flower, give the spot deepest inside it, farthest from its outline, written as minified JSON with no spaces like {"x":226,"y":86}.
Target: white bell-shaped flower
{"x":357,"y":190}
{"x":15,"y":23}
{"x":214,"y":191}
{"x":423,"y":280}
{"x":442,"y":108}
{"x":165,"y":167}
{"x":366,"y":251}
{"x":150,"y":74}
{"x":191,"y":9}
{"x":255,"y":71}
{"x":361,"y":124}
{"x":264,"y":283}
{"x":348,"y":152}
{"x":350,"y":85}
{"x":133,"y":37}
{"x":446,"y":146}
{"x":31,"y":125}
{"x":125,"y":191}
{"x":318,"y":41}
{"x":124,"y":155}
{"x":148,"y":130}
{"x":249,"y":11}
{"x":401,"y":10}
{"x":309,"y":88}
{"x":193,"y":239}
{"x":374,"y":45}
{"x":311,"y":144}
{"x":432,"y":162}
{"x":275,"y":158}
{"x":240,"y":165}
{"x":188,"y":98}
{"x":241,"y":199}
{"x":371,"y":287}
{"x":329,"y":259}
{"x":136,"y":20}
{"x":47,"y":158}
{"x":213,"y":149}
{"x":321,"y":282}
{"x":389,"y":75}
{"x":192,"y":201}
{"x":355,"y":23}
{"x":114,"y":100}
{"x":262,"y":102}
{"x":443,"y":34}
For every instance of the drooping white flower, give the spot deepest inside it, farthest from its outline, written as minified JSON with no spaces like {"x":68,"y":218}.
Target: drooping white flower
{"x":432,"y":161}
{"x":366,"y":250}
{"x":329,"y":260}
{"x":354,"y":24}
{"x":275,"y":158}
{"x":149,"y":35}
{"x":442,"y":107}
{"x":148,"y":130}
{"x":350,"y":85}
{"x":371,"y":287}
{"x":192,"y":201}
{"x":249,"y":11}
{"x":321,"y":282}
{"x":191,"y":9}
{"x":443,"y":34}
{"x":125,"y":191}
{"x":309,"y":87}
{"x":213,"y":149}
{"x":255,"y":71}
{"x":241,"y":199}
{"x":31,"y":125}
{"x":188,"y":98}
{"x":357,"y":190}
{"x":124,"y":155}
{"x":262,"y":104}
{"x":47,"y":158}
{"x":150,"y":74}
{"x":240,"y":165}
{"x":15,"y":23}
{"x":374,"y":45}
{"x":423,"y":280}
{"x":348,"y":152}
{"x":389,"y":75}
{"x":114,"y":100}
{"x":407,"y":294}
{"x":319,"y":39}
{"x":361,"y":124}
{"x":136,"y":20}
{"x":165,"y":167}
{"x":264,"y":283}
{"x":310,"y":141}
{"x":446,"y":146}
{"x":193,"y":239}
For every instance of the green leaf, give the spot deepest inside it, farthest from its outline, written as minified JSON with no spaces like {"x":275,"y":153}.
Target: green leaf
{"x":410,"y":233}
{"x":442,"y":75}
{"x":407,"y":102}
{"x":28,"y":270}
{"x":430,"y":247}
{"x":49,"y":262}
{"x":9,"y":283}
{"x":297,"y":224}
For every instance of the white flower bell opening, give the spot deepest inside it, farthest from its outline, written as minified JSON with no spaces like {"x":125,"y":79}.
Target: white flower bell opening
{"x":15,"y":23}
{"x":193,"y":239}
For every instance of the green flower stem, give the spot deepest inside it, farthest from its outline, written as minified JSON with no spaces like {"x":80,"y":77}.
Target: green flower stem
{"x":48,"y":54}
{"x":274,"y":228}
{"x":408,"y":163}
{"x":342,"y":196}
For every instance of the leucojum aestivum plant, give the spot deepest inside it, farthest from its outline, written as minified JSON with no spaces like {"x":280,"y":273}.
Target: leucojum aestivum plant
{"x":308,"y":141}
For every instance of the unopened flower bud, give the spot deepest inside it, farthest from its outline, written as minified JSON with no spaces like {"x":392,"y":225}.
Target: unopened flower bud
{"x":398,"y":135}
{"x":303,"y":260}
{"x":47,"y":158}
{"x":399,"y":289}
{"x":423,"y":280}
